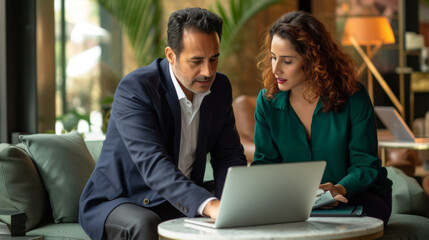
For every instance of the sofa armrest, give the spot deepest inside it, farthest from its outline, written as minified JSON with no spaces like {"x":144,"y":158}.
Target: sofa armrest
{"x":408,"y":196}
{"x":425,"y":185}
{"x":16,"y":220}
{"x":249,"y":150}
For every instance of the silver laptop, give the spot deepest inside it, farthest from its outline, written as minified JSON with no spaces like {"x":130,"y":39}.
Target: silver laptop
{"x":396,"y":125}
{"x":267,"y":194}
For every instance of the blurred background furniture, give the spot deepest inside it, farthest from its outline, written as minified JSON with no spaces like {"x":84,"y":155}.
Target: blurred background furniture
{"x":371,"y":32}
{"x":419,"y":84}
{"x":244,"y":111}
{"x":400,"y":155}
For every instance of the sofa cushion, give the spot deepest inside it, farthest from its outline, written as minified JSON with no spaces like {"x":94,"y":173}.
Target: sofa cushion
{"x":65,"y":165}
{"x":94,"y":148}
{"x":61,"y":231}
{"x":406,"y":226}
{"x":21,"y":188}
{"x":407,"y":195}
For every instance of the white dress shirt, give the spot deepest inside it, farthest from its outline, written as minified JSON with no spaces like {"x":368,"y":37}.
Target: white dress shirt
{"x":190,"y":118}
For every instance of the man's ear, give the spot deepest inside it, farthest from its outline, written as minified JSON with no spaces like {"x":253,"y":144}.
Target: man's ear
{"x":170,"y":55}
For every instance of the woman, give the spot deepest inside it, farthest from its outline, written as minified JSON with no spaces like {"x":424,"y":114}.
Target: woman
{"x":313,"y":108}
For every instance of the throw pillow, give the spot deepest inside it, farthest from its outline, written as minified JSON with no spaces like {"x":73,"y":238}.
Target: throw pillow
{"x":21,"y":188}
{"x":407,"y":195}
{"x":65,"y":165}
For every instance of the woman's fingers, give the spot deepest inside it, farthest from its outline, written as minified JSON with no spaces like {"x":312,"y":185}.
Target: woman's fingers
{"x":341,"y":198}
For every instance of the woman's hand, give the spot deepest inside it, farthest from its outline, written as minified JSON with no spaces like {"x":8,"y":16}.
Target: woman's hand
{"x":338,"y":192}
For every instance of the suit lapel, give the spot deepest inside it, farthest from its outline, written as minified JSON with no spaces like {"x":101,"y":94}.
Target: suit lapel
{"x":173,"y":102}
{"x":197,"y":173}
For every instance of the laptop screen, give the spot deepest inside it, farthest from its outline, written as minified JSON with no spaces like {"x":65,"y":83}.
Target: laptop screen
{"x":394,"y":123}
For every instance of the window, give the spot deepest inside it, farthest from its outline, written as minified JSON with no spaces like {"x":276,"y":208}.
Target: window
{"x":88,"y":49}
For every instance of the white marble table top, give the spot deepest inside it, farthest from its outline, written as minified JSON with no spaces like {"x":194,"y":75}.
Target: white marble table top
{"x":313,"y":228}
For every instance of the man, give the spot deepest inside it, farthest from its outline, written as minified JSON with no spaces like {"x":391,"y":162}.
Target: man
{"x":165,"y":118}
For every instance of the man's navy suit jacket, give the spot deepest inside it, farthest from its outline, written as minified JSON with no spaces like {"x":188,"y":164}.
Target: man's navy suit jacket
{"x":139,"y":158}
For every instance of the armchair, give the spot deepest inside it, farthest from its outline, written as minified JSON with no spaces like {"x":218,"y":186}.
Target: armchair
{"x":244,"y":111}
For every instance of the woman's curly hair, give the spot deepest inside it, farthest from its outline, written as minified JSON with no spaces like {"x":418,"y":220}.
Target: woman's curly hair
{"x":328,"y":71}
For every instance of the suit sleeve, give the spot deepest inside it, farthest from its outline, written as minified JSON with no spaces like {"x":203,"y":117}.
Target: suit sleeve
{"x":136,"y":109}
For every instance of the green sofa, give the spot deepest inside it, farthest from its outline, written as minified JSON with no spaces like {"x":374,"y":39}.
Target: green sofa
{"x":43,"y":177}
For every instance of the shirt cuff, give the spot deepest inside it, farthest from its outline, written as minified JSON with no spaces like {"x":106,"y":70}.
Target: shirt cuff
{"x":203,"y":205}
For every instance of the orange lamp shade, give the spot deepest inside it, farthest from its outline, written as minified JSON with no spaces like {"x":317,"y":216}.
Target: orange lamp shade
{"x":368,"y":31}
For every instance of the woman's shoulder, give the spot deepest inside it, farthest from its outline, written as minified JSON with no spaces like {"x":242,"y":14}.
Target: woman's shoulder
{"x":360,"y":97}
{"x":359,"y":102}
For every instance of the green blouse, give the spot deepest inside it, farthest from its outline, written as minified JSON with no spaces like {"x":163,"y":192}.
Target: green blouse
{"x":346,"y":140}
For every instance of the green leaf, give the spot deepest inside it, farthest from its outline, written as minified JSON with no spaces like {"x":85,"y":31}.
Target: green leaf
{"x":234,"y":12}
{"x":71,"y":120}
{"x":240,"y":12}
{"x":141,"y":21}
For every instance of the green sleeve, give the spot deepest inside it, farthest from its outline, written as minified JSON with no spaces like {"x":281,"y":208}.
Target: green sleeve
{"x":265,"y":149}
{"x":364,"y":162}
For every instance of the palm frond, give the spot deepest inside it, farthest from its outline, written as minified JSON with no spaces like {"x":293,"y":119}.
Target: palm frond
{"x":142,"y":22}
{"x":240,"y":11}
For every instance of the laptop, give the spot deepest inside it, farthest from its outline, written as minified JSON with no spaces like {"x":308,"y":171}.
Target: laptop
{"x":266,"y":194}
{"x":396,"y":125}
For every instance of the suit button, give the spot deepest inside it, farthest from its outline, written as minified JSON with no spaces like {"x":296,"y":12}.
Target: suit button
{"x":146,"y":201}
{"x":185,"y":210}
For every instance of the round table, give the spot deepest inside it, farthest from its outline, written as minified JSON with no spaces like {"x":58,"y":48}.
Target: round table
{"x":313,"y":228}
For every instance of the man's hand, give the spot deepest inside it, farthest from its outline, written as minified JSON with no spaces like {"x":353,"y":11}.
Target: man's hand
{"x":338,"y":192}
{"x":212,"y":208}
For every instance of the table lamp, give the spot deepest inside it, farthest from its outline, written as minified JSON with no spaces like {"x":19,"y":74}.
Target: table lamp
{"x":371,"y":32}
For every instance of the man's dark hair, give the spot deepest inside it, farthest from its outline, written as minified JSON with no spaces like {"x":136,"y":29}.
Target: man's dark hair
{"x":197,"y":19}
